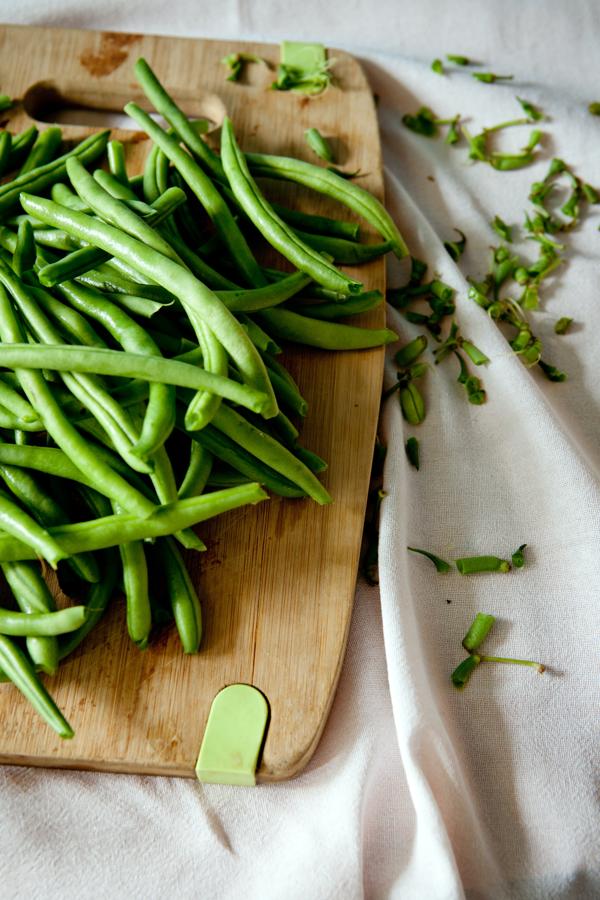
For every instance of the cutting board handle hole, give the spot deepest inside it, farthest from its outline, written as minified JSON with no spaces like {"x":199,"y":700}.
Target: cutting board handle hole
{"x":58,"y":104}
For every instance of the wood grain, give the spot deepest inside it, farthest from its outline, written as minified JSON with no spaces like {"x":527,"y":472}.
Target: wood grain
{"x":277,"y":582}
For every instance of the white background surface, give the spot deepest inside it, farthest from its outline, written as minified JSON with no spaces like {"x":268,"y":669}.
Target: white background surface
{"x":416,"y":791}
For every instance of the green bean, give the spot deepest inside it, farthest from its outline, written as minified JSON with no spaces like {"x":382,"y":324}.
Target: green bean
{"x":24,"y":255}
{"x":96,"y":602}
{"x":182,"y":596}
{"x":259,"y":337}
{"x":321,"y":179}
{"x":71,"y":358}
{"x":21,"y":144}
{"x":109,"y":531}
{"x":176,"y":118}
{"x":116,"y":161}
{"x":44,"y":149}
{"x":350,"y":307}
{"x":135,"y":584}
{"x":314,"y":462}
{"x":149,"y":183}
{"x":342,"y":251}
{"x":107,"y":280}
{"x":5,"y":147}
{"x":32,"y":596}
{"x":120,"y":190}
{"x":193,"y":295}
{"x":197,"y":472}
{"x":319,"y":145}
{"x":43,"y":177}
{"x":61,"y":430}
{"x":15,"y":521}
{"x":48,"y":460}
{"x":62,"y":193}
{"x":16,"y":403}
{"x":225,"y":449}
{"x":50,"y":624}
{"x":206,"y":192}
{"x":12,"y":423}
{"x":264,"y":297}
{"x":274,"y":229}
{"x":54,"y":239}
{"x":198,"y":266}
{"x":317,"y":224}
{"x":20,"y":671}
{"x":270,"y":452}
{"x":71,"y":322}
{"x":287,"y":394}
{"x":160,"y":417}
{"x":327,"y":335}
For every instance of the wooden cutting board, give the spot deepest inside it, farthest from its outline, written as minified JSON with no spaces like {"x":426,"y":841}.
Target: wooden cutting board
{"x":277,"y":582}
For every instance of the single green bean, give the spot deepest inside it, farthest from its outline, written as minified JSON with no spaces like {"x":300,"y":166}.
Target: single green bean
{"x":135,"y":584}
{"x":264,"y":297}
{"x":197,"y":472}
{"x":263,"y":342}
{"x":342,"y":251}
{"x":319,"y":145}
{"x":62,"y":193}
{"x":18,"y":624}
{"x":109,"y":531}
{"x":327,"y":335}
{"x":176,"y":118}
{"x":274,"y":229}
{"x":24,"y":255}
{"x":20,"y":671}
{"x":317,"y":224}
{"x":14,"y":401}
{"x":182,"y":596}
{"x":71,"y":358}
{"x":350,"y":307}
{"x":5,"y":147}
{"x":15,"y":521}
{"x":322,"y":180}
{"x":116,"y":161}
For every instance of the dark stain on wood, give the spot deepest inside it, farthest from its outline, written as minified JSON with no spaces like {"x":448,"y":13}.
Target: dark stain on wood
{"x":113,"y":51}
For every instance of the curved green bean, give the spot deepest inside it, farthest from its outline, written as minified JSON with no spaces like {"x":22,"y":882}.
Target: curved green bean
{"x":21,"y":144}
{"x":116,"y":161}
{"x":135,"y":584}
{"x":17,"y":667}
{"x":264,"y":297}
{"x":326,"y":335}
{"x":15,"y":521}
{"x":182,"y":596}
{"x":18,"y":624}
{"x":344,"y":252}
{"x":350,"y":307}
{"x":197,"y":472}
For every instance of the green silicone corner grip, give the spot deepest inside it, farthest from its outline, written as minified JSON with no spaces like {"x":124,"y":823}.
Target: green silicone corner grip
{"x":305,"y":57}
{"x":234,"y":736}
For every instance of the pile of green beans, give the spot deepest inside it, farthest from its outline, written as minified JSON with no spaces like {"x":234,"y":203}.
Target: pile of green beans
{"x":140,"y":390}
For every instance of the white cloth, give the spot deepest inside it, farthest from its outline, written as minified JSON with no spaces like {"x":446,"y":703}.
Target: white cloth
{"x":416,"y":790}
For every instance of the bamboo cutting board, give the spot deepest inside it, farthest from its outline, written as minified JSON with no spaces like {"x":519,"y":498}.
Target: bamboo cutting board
{"x":277,"y":582}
